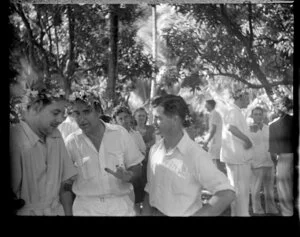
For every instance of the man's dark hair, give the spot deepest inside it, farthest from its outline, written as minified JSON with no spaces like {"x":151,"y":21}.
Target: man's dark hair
{"x":42,"y":98}
{"x":120,"y":109}
{"x":106,"y":118}
{"x":96,"y":104}
{"x":257,"y":108}
{"x":212,"y":103}
{"x":174,"y":105}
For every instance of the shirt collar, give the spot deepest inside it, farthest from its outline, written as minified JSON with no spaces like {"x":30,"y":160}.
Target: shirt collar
{"x":235,"y":106}
{"x":31,"y":135}
{"x":109,"y":126}
{"x":182,"y":145}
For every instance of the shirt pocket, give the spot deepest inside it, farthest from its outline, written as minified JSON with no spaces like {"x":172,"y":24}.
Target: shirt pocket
{"x":87,"y":168}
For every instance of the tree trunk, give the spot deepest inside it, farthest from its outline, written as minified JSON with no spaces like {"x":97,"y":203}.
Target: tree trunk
{"x":70,"y":62}
{"x":113,"y":53}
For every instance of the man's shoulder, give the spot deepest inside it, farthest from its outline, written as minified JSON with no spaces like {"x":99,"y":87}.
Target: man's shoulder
{"x":74,"y":136}
{"x":275,"y":122}
{"x":16,"y":132}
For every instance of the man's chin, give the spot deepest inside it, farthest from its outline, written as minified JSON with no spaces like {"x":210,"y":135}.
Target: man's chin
{"x":85,"y":129}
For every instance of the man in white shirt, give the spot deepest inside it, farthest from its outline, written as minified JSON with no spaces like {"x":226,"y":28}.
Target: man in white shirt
{"x":41,"y":168}
{"x":236,"y":152}
{"x":107,"y":160}
{"x":178,"y":169}
{"x":262,"y":165}
{"x":214,"y":139}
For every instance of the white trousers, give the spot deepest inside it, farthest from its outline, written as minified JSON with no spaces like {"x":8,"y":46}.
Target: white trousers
{"x":284,"y":177}
{"x":263,"y":177}
{"x":99,"y":206}
{"x":239,"y":177}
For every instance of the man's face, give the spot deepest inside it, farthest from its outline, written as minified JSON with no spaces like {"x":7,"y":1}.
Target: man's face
{"x":140,"y":117}
{"x":50,"y":116}
{"x":124,"y":119}
{"x":86,"y":116}
{"x":257,"y":116}
{"x":208,"y":107}
{"x":245,"y":100}
{"x":162,"y":123}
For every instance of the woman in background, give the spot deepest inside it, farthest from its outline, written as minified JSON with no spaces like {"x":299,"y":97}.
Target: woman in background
{"x":147,"y":131}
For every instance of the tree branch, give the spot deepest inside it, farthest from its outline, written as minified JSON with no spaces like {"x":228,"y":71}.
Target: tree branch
{"x":233,"y":29}
{"x":250,"y":25}
{"x":251,"y":85}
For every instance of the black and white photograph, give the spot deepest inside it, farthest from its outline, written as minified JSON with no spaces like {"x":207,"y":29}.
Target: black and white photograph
{"x":153,"y":109}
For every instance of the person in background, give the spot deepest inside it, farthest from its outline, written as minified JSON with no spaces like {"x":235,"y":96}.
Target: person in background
{"x":42,"y":171}
{"x":236,"y":152}
{"x":107,"y":160}
{"x":262,"y":166}
{"x":213,"y":140}
{"x":178,"y":168}
{"x":148,"y":133}
{"x":141,"y":117}
{"x":122,"y":116}
{"x":282,"y":146}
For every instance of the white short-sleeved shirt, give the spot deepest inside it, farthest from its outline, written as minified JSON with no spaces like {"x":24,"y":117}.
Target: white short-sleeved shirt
{"x":261,"y":154}
{"x":139,"y":141}
{"x":67,"y":127}
{"x":232,"y":150}
{"x":117,"y":148}
{"x":216,"y":142}
{"x":176,"y":179}
{"x":38,"y":169}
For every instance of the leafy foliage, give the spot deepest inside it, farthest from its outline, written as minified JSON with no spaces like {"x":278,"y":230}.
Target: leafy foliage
{"x":72,"y":41}
{"x":249,"y":43}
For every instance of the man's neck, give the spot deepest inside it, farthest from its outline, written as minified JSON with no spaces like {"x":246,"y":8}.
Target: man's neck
{"x":141,"y":126}
{"x":97,"y":131}
{"x":173,"y":139}
{"x":237,"y":103}
{"x":35,"y":129}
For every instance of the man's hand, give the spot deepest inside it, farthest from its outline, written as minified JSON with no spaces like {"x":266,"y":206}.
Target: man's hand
{"x":247,"y":144}
{"x":121,"y":173}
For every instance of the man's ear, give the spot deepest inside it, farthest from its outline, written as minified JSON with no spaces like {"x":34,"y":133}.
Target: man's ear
{"x":176,"y":118}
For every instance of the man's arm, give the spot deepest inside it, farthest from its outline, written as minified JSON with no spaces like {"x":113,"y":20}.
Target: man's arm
{"x":136,"y":172}
{"x":67,"y":196}
{"x":217,"y":203}
{"x":211,"y":134}
{"x":236,"y":132}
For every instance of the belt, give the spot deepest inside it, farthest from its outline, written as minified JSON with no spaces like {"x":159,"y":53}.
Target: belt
{"x":104,"y":197}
